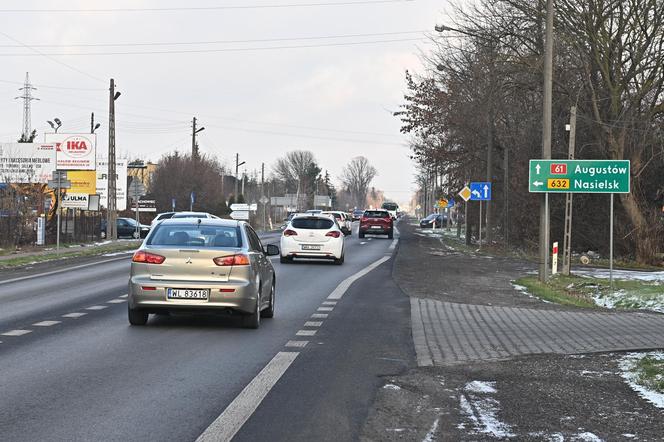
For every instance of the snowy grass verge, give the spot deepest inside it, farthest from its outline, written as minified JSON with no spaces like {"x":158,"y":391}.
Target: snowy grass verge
{"x":644,"y":373}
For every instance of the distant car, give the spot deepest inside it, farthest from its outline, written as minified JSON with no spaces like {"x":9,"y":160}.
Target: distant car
{"x":343,"y":219}
{"x":440,"y":220}
{"x":313,"y":211}
{"x":376,"y":222}
{"x":312,"y":237}
{"x":201,"y":215}
{"x":357,"y":214}
{"x":202,"y":265}
{"x":392,"y":208}
{"x":126,"y":228}
{"x":165,"y":215}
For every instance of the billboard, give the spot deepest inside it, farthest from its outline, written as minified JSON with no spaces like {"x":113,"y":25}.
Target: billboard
{"x":82,"y":181}
{"x":26,"y":163}
{"x":75,"y":201}
{"x":120,"y":183}
{"x":74,"y":151}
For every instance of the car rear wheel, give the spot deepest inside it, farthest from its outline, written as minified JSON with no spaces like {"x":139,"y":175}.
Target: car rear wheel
{"x":137,"y":316}
{"x":390,"y":234}
{"x":360,"y":235}
{"x":269,"y":312}
{"x":340,"y":260}
{"x":253,"y":320}
{"x":285,"y":259}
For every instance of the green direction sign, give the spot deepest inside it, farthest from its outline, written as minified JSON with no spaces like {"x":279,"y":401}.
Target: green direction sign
{"x":579,"y":176}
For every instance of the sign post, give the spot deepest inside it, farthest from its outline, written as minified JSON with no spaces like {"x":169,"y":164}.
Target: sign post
{"x":137,"y":190}
{"x":581,"y":176}
{"x":58,"y":182}
{"x":480,"y":191}
{"x":465,"y":196}
{"x":554,"y":259}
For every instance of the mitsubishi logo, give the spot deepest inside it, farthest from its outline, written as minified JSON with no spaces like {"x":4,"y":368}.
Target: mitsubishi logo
{"x":188,"y":260}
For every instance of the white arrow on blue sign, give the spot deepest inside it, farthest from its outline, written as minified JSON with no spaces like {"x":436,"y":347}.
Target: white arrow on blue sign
{"x":480,"y":191}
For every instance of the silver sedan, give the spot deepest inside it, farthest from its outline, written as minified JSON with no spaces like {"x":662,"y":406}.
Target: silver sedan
{"x":196,"y":265}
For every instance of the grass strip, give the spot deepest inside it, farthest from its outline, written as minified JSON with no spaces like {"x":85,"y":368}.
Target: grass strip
{"x":93,"y":250}
{"x":649,"y":372}
{"x":555,"y":290}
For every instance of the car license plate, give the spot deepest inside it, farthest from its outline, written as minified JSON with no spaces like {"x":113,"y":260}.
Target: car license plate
{"x":376,"y":227}
{"x":188,"y":293}
{"x":310,"y":247}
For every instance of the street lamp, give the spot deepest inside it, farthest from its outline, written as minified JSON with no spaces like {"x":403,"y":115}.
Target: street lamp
{"x":55,"y":126}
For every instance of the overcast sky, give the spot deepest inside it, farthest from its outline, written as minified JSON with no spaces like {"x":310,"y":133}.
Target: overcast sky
{"x":335,"y":100}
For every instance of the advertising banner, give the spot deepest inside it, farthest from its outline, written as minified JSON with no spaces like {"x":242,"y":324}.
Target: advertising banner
{"x":26,"y":163}
{"x":75,"y":201}
{"x":74,"y":151}
{"x":83,"y":181}
{"x":120,"y":183}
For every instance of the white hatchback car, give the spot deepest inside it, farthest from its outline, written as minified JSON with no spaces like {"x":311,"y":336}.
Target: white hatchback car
{"x":343,"y":219}
{"x":312,"y":237}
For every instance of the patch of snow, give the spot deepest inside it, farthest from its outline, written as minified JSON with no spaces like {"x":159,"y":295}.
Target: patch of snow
{"x":629,"y":435}
{"x":126,"y":252}
{"x":432,"y":431}
{"x":391,"y":387}
{"x":633,"y":275}
{"x":621,"y":298}
{"x":481,"y":409}
{"x":481,"y":387}
{"x":396,"y":430}
{"x":541,"y":435}
{"x":627,"y":365}
{"x":587,"y":436}
{"x":519,"y":287}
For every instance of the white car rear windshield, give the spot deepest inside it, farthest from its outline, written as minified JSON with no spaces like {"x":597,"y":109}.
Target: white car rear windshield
{"x":376,"y":214}
{"x":195,"y":236}
{"x":312,"y":223}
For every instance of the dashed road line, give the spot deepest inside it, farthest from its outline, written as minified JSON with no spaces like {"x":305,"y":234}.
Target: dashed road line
{"x":305,"y":332}
{"x":329,"y":302}
{"x":116,"y":301}
{"x":16,"y":332}
{"x":313,"y":323}
{"x":325,"y":309}
{"x":320,"y":315}
{"x":46,"y":323}
{"x":125,"y":295}
{"x":243,"y":406}
{"x":97,"y":307}
{"x":74,"y":315}
{"x":299,"y":344}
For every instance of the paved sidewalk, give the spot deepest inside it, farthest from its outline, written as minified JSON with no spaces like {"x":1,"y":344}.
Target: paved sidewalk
{"x":445,"y":332}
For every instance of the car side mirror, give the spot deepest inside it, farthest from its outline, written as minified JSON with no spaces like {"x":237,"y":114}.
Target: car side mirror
{"x":271,"y":250}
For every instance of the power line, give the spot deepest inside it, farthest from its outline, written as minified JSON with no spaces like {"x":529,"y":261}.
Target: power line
{"x":42,"y":86}
{"x":210,"y":42}
{"x":201,"y":51}
{"x":204,"y":8}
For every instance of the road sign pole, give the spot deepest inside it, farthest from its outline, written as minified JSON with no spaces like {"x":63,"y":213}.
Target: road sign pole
{"x":611,"y":248}
{"x":138,"y":222}
{"x":547,"y":231}
{"x":465,"y":220}
{"x":479,"y":232}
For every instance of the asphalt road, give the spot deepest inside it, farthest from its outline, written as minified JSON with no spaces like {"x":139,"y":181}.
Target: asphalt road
{"x":71,"y":368}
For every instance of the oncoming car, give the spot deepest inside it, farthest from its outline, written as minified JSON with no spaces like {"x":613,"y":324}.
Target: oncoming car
{"x":312,"y":237}
{"x":202,"y":265}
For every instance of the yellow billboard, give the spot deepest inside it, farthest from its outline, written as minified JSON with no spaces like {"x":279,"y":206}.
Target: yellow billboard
{"x":82,"y":181}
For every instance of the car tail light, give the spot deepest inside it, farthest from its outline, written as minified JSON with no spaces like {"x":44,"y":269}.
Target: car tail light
{"x":147,"y":257}
{"x":289,"y":232}
{"x":148,"y":288}
{"x":232,"y":260}
{"x":364,"y":219}
{"x":333,"y":234}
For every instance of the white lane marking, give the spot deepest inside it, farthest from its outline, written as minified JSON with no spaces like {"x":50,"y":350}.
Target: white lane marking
{"x":116,"y":301}
{"x":329,"y":302}
{"x":299,"y":344}
{"x":74,"y":315}
{"x":243,"y":406}
{"x":313,"y":323}
{"x":394,"y":244}
{"x":55,"y":272}
{"x":47,"y":323}
{"x":305,"y":332}
{"x":325,"y":309}
{"x":319,"y":315}
{"x":125,"y":295}
{"x":97,"y":307}
{"x":17,"y":332}
{"x":346,"y":283}
{"x":363,"y":243}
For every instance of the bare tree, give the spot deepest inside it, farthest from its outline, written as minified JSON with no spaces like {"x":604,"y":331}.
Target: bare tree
{"x":299,"y":171}
{"x":356,"y":177}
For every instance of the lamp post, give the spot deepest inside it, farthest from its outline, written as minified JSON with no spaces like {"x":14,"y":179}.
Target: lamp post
{"x":55,"y":126}
{"x":194,"y":145}
{"x":237,"y":167}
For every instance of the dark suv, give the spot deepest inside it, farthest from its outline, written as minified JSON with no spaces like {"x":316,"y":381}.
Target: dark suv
{"x":126,"y":227}
{"x":378,"y":222}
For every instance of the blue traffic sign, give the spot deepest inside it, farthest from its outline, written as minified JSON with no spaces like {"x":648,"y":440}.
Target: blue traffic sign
{"x":450,"y":203}
{"x":480,"y":191}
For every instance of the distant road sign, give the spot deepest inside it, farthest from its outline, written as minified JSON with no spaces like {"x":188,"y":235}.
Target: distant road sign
{"x":240,"y":215}
{"x":136,"y":189}
{"x":465,"y":193}
{"x":450,"y":203}
{"x":442,"y":203}
{"x":240,"y":207}
{"x":63,"y":184}
{"x":264,"y":200}
{"x":579,"y":176}
{"x":480,"y":191}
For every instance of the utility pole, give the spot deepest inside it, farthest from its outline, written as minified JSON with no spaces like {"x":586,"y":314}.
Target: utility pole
{"x":544,"y":228}
{"x":567,"y":239}
{"x":92,"y":123}
{"x":111,"y":215}
{"x":27,"y":98}
{"x":237,"y":168}
{"x":194,"y":144}
{"x":263,"y":192}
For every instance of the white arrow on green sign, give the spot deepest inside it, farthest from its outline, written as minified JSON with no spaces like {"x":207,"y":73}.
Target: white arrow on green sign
{"x":579,"y":176}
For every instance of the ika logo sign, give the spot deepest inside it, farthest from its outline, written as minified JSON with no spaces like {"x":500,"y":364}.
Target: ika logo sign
{"x":74,"y":151}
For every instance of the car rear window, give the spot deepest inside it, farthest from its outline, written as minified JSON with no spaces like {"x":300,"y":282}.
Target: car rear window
{"x":195,"y":236}
{"x":312,"y":223}
{"x":193,"y":215}
{"x":336,"y":215}
{"x":376,"y":214}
